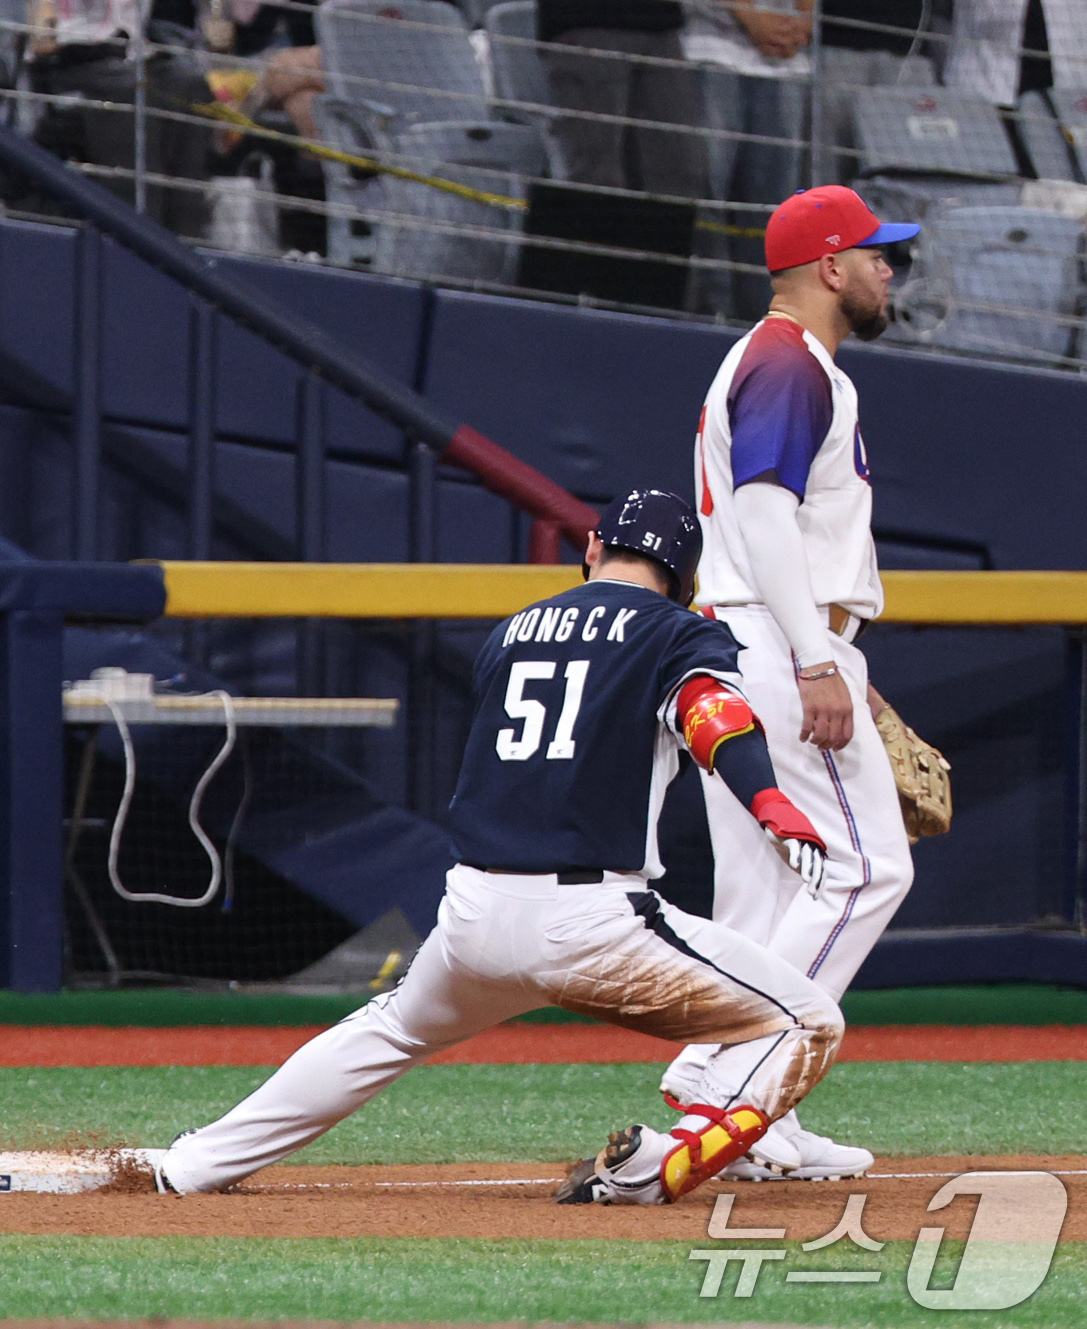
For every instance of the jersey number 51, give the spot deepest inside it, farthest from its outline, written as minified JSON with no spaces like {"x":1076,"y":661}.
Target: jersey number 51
{"x":534,"y":713}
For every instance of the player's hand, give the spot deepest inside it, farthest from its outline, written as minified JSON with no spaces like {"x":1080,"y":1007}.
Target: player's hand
{"x":828,"y":711}
{"x":805,"y":859}
{"x":772,"y":34}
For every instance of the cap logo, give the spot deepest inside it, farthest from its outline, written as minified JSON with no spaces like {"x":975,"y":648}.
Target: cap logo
{"x":834,"y":239}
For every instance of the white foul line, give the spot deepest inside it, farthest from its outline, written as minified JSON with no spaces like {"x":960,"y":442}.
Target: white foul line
{"x":551,"y":1181}
{"x":351,"y":1185}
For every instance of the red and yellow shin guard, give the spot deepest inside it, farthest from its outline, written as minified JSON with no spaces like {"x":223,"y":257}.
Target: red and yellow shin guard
{"x":701,"y":1154}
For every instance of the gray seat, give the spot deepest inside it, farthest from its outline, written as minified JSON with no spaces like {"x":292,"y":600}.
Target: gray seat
{"x":923,"y":149}
{"x":349,"y":192}
{"x":844,"y":72}
{"x":472,"y":155}
{"x":400,"y":64}
{"x":1050,"y":152}
{"x":995,"y":280}
{"x":1071,"y":109}
{"x":362,"y":228}
{"x":930,"y":130}
{"x":519,"y":73}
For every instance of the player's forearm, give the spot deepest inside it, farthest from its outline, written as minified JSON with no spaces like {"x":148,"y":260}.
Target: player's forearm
{"x":779,"y":567}
{"x":745,"y":766}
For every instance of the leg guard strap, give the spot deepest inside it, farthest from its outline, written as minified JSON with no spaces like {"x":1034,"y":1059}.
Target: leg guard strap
{"x":701,"y":1154}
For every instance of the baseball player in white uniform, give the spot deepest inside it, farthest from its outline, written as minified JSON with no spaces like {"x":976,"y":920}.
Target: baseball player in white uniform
{"x":584,"y":704}
{"x":785,"y":502}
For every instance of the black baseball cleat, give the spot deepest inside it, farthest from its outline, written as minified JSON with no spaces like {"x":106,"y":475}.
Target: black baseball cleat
{"x":582,"y":1185}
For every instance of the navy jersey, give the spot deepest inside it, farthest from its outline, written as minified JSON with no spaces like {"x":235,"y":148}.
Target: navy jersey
{"x":572,"y":745}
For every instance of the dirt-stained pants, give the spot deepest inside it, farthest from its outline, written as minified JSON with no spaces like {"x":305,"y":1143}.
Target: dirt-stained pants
{"x":506,"y":944}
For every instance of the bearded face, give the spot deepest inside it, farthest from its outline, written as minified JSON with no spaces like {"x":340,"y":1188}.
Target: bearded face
{"x":864,"y":305}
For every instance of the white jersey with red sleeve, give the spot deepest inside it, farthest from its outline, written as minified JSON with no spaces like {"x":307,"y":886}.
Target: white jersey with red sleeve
{"x":781,"y":409}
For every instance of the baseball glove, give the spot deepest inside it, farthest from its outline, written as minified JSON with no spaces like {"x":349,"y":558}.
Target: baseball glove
{"x":920,"y":771}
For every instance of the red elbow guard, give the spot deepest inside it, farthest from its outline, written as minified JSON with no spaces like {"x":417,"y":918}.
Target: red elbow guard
{"x":772,"y":809}
{"x":711,"y":713}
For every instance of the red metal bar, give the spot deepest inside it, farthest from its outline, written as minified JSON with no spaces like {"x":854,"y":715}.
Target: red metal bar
{"x":545,"y":542}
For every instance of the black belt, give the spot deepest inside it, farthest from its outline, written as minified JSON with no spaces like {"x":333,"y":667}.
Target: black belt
{"x":578,"y":877}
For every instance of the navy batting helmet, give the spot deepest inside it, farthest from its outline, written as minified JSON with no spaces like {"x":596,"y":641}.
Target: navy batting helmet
{"x":659,"y":526}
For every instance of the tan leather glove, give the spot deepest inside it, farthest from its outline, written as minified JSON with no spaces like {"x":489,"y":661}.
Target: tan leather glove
{"x":921,"y":774}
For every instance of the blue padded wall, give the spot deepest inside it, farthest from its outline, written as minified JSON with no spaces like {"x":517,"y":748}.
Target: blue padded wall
{"x":145,"y":339}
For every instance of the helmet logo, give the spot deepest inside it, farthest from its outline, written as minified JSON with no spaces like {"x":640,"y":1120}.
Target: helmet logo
{"x":834,"y":239}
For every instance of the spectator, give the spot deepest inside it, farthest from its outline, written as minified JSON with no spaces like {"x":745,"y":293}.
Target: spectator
{"x":243,"y":27}
{"x":1003,"y":48}
{"x":858,"y":53}
{"x":758,"y":85}
{"x":617,"y":155}
{"x":84,"y":48}
{"x":289,"y":82}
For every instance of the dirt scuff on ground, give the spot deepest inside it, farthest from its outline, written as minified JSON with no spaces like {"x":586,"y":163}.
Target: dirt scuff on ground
{"x":507,"y":1201}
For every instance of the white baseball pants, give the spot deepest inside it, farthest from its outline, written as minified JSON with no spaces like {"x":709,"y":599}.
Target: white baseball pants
{"x":851,"y":799}
{"x":505,"y":944}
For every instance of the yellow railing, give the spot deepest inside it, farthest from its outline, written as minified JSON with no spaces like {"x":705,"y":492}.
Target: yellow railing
{"x":490,"y":590}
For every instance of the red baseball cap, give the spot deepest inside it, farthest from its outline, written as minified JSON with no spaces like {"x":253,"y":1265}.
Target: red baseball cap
{"x":826,"y":220}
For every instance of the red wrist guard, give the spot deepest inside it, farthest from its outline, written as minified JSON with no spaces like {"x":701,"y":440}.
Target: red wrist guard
{"x":772,"y":809}
{"x":710,"y":713}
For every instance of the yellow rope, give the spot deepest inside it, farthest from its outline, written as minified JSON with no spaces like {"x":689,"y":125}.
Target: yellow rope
{"x":217,"y":111}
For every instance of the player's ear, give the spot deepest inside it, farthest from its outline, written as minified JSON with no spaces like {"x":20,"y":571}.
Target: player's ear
{"x":832,"y":271}
{"x":593,"y":550}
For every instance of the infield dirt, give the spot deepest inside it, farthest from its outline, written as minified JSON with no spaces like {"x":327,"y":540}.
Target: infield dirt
{"x":505,"y":1201}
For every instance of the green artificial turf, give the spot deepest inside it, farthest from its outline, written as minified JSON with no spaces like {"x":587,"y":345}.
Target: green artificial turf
{"x":992,"y":1003}
{"x":547,"y":1113}
{"x":166,"y":1007}
{"x":456,"y":1279}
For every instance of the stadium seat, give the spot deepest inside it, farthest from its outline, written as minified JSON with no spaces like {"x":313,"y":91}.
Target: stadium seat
{"x":519,"y":74}
{"x":388,"y":68}
{"x":400,"y":64}
{"x":995,"y":280}
{"x":844,"y":72}
{"x":927,"y":149}
{"x":1044,"y":139}
{"x":931,"y":130}
{"x":492,"y":157}
{"x":467,"y":155}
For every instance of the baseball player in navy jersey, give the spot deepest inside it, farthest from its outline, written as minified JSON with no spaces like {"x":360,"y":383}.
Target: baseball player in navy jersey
{"x":585,"y":704}
{"x":785,"y":502}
